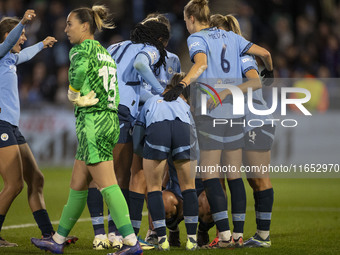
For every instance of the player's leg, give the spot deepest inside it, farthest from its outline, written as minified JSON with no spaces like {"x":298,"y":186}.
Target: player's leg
{"x":35,"y":183}
{"x":233,"y":159}
{"x":137,"y":189}
{"x":205,"y":219}
{"x":11,"y":173}
{"x":263,"y":196}
{"x":257,"y":153}
{"x":154,"y":171}
{"x":186,"y":178}
{"x":96,"y":208}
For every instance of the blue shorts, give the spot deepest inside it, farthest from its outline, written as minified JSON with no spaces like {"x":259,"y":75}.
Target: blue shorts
{"x":170,"y":138}
{"x":125,"y":124}
{"x":220,"y":137}
{"x":260,"y":138}
{"x":10,"y":135}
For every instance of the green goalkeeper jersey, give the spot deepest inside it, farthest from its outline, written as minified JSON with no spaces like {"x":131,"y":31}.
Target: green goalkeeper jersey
{"x":92,"y":68}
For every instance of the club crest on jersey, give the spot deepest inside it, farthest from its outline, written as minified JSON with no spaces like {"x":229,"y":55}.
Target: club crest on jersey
{"x":159,"y":101}
{"x":4,"y":137}
{"x":170,"y":70}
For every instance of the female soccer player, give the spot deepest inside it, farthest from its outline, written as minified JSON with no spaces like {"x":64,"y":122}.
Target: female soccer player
{"x":161,"y":120}
{"x":92,"y":72}
{"x":220,"y":144}
{"x":258,"y":141}
{"x":17,"y":163}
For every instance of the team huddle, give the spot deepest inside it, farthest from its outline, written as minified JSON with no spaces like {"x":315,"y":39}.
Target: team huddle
{"x":142,"y":127}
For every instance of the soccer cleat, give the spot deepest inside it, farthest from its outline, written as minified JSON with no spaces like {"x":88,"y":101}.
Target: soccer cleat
{"x":4,"y":243}
{"x":191,"y":244}
{"x":129,"y":250}
{"x":202,"y":238}
{"x":163,"y":244}
{"x":145,"y":245}
{"x":48,"y":244}
{"x":218,"y":244}
{"x":238,"y":243}
{"x":174,"y":239}
{"x":151,"y":238}
{"x":101,"y":244}
{"x":213,"y":243}
{"x":116,"y":242}
{"x":257,"y":241}
{"x":70,"y":240}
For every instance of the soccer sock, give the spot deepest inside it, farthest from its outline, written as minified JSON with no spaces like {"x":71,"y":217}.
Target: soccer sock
{"x":218,"y":203}
{"x":126,"y":194}
{"x":72,"y":210}
{"x":190,"y":211}
{"x":205,"y":227}
{"x":263,"y":206}
{"x":96,"y":208}
{"x":43,"y":221}
{"x":2,"y":219}
{"x":157,"y":211}
{"x":136,"y":209}
{"x":238,"y":205}
{"x":118,"y":209}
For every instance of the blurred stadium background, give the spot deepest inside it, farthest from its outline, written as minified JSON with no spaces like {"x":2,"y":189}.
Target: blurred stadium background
{"x":304,"y":39}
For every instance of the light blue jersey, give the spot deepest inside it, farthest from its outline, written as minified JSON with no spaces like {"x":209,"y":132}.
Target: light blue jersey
{"x":223,"y":50}
{"x":156,"y":109}
{"x":129,"y":80}
{"x":249,"y":63}
{"x":164,"y":76}
{"x":9,"y":95}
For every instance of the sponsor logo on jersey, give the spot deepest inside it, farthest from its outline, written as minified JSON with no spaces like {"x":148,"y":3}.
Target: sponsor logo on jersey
{"x":170,"y":70}
{"x":194,"y":45}
{"x":4,"y":137}
{"x":73,"y":55}
{"x":153,"y":56}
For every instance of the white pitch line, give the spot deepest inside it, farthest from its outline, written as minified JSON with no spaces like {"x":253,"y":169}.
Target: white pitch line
{"x":29,"y":225}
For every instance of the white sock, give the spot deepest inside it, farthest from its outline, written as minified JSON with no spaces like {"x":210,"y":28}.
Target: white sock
{"x":160,"y":238}
{"x":58,"y":238}
{"x":130,"y":240}
{"x":193,"y":237}
{"x":237,"y":235}
{"x":263,"y":234}
{"x":224,"y":236}
{"x":101,"y":236}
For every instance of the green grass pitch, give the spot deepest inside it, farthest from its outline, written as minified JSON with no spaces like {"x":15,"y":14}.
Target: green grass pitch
{"x":305,"y":220}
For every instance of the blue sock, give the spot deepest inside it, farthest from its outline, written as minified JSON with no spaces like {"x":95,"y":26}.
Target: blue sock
{"x":2,"y":219}
{"x":218,"y":203}
{"x":136,"y":209}
{"x":205,"y":226}
{"x":238,"y":204}
{"x":157,"y":211}
{"x":96,"y":208}
{"x":263,"y":207}
{"x":126,"y":194}
{"x":190,"y":210}
{"x":43,"y":221}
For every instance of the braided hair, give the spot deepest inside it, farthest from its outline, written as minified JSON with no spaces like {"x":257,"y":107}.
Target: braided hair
{"x":152,"y":33}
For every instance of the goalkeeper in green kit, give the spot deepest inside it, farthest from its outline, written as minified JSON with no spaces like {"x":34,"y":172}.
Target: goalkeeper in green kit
{"x":94,"y":92}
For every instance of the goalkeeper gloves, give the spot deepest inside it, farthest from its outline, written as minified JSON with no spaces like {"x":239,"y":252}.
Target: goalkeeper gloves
{"x":82,"y":101}
{"x":174,"y":93}
{"x":268,"y":77}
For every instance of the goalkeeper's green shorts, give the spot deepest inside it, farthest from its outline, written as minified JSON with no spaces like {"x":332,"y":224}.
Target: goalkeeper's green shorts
{"x":97,"y":134}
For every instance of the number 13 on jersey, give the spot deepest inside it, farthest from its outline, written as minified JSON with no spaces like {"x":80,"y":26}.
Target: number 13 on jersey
{"x":106,"y":72}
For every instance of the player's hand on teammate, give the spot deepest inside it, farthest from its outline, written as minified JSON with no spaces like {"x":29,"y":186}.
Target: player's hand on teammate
{"x":267,"y":77}
{"x":82,"y":101}
{"x":174,"y":93}
{"x":28,"y":16}
{"x":212,"y":103}
{"x":49,"y":41}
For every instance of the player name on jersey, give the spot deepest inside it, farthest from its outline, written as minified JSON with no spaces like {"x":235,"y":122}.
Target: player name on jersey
{"x":104,"y":57}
